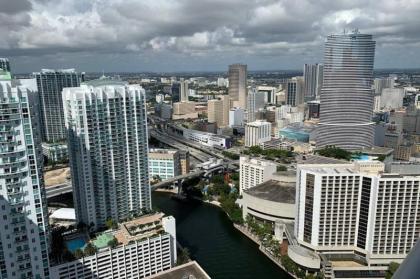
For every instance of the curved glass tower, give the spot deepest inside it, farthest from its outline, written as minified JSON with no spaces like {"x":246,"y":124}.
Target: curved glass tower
{"x":347,"y":96}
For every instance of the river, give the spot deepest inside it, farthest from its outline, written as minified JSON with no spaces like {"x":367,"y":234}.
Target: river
{"x":214,"y":243}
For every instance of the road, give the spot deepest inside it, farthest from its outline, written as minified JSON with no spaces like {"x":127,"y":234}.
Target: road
{"x":56,"y":190}
{"x":172,"y":180}
{"x":175,"y":143}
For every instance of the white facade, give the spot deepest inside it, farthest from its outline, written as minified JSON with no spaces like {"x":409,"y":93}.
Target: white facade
{"x":382,"y":83}
{"x":164,"y":163}
{"x":346,"y":208}
{"x":108,"y":147}
{"x":269,"y":93}
{"x":313,"y":75}
{"x":254,"y":171}
{"x":55,"y":152}
{"x":236,"y":117}
{"x":139,"y":259}
{"x":392,"y":98}
{"x":207,"y":139}
{"x":257,"y":132}
{"x":23,"y":206}
{"x":255,"y":101}
{"x":222,"y":82}
{"x":159,"y":98}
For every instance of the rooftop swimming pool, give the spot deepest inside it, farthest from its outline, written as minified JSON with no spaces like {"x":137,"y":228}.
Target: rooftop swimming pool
{"x":75,"y":243}
{"x":362,"y":157}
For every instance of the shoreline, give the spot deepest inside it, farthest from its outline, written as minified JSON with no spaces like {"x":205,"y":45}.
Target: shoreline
{"x":262,"y":249}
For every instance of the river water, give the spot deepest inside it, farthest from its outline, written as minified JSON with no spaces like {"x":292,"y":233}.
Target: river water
{"x":214,"y":243}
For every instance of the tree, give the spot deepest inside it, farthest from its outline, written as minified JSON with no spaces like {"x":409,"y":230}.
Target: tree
{"x":78,"y":254}
{"x":217,"y":179}
{"x":221,"y":189}
{"x":113,"y":243}
{"x":89,"y":249}
{"x":334,"y":152}
{"x":235,"y":176}
{"x":183,"y":256}
{"x":110,"y":224}
{"x":392,"y":268}
{"x":281,"y":168}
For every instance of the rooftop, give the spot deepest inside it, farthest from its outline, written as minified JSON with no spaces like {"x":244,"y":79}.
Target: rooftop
{"x":64,"y":214}
{"x":273,"y":190}
{"x":316,"y":159}
{"x":139,"y":228}
{"x":377,"y":150}
{"x":102,"y":240}
{"x":104,"y":81}
{"x":188,"y":271}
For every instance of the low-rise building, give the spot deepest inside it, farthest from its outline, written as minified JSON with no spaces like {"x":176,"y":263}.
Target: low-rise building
{"x":55,"y":152}
{"x":199,"y":137}
{"x":184,"y":110}
{"x":145,"y":246}
{"x":253,"y":171}
{"x":190,"y":270}
{"x":164,"y":163}
{"x":272,"y":200}
{"x":257,"y":132}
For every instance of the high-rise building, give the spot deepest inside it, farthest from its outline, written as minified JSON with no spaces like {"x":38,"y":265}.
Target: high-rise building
{"x":382,"y":83}
{"x":108,"y":149}
{"x":347,"y":96}
{"x":184,"y":90}
{"x":269,"y":93}
{"x":255,"y":102}
{"x":313,"y":75}
{"x":295,"y":91}
{"x":218,"y":111}
{"x":257,"y":132}
{"x":357,"y":209}
{"x":176,"y":92}
{"x":253,"y":172}
{"x":50,"y":86}
{"x":236,"y":117}
{"x":23,"y":207}
{"x":4,"y":64}
{"x":237,"y":84}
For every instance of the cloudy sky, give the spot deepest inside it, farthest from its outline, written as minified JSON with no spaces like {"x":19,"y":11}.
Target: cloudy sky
{"x":194,"y":35}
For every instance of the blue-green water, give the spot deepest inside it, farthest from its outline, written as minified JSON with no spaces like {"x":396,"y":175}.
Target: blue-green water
{"x":214,"y":243}
{"x":75,"y":243}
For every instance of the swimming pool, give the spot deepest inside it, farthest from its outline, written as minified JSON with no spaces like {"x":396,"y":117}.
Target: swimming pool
{"x":362,"y":157}
{"x":75,"y":243}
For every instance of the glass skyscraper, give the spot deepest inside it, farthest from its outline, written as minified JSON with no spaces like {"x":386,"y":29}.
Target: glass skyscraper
{"x":50,"y":85}
{"x":106,"y":122}
{"x":347,"y":96}
{"x":23,"y":211}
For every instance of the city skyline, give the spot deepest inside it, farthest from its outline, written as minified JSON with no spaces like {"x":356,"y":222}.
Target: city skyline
{"x":142,"y":139}
{"x":266,"y":35}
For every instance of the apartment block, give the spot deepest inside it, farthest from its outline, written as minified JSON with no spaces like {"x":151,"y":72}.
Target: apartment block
{"x":254,"y":171}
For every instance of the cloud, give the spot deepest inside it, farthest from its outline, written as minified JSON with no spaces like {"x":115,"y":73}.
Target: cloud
{"x":14,"y":7}
{"x":226,"y":29}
